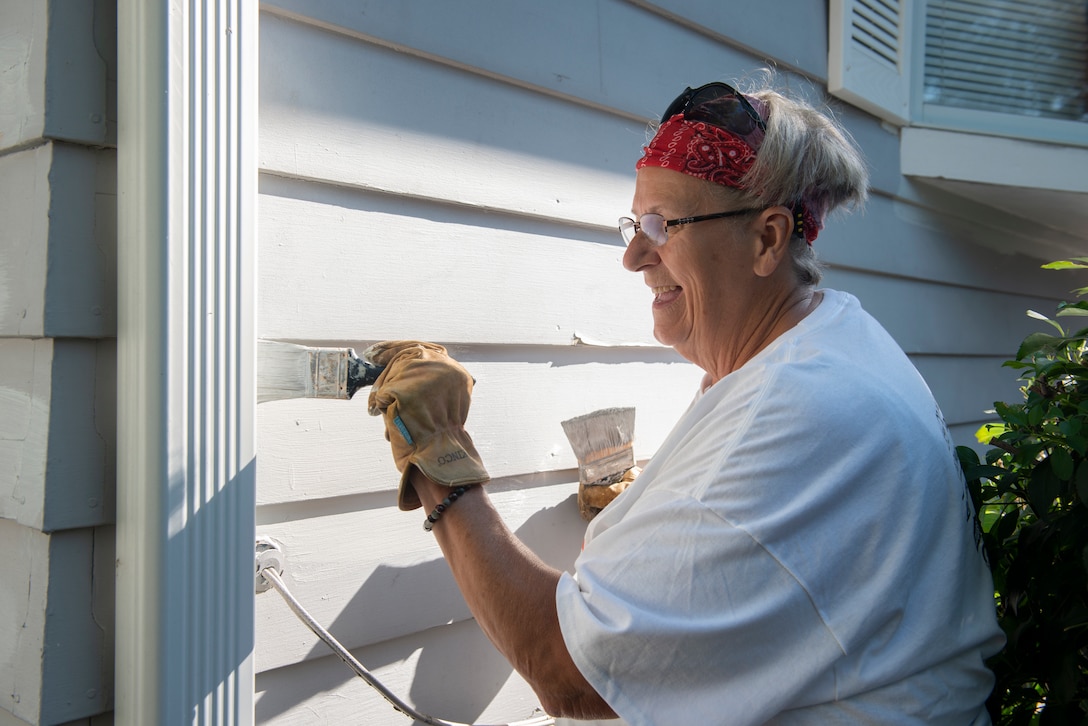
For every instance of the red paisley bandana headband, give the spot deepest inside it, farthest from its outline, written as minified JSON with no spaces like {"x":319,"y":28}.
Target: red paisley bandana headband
{"x":709,"y":152}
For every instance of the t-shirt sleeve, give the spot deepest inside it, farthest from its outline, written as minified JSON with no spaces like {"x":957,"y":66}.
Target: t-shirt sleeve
{"x":675,"y":611}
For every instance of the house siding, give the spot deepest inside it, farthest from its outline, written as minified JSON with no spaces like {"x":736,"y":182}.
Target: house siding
{"x":57,"y":360}
{"x":433,"y":170}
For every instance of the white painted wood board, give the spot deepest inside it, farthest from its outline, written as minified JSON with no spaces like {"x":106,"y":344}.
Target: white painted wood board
{"x":24,"y":207}
{"x":966,"y":388}
{"x":81,"y":467}
{"x":793,"y":41}
{"x":928,"y":318}
{"x":57,"y":599}
{"x":57,"y":420}
{"x":7,"y":719}
{"x":330,"y":272}
{"x":22,"y":73}
{"x":25,"y":397}
{"x":81,"y":282}
{"x":450,"y":672}
{"x":902,"y":239}
{"x":82,"y":74}
{"x":371,"y":573}
{"x":591,"y":53}
{"x":491,"y":145}
{"x":57,"y":246}
{"x":77,"y":663}
{"x":58,"y":73}
{"x":310,"y":449}
{"x":24,"y":570}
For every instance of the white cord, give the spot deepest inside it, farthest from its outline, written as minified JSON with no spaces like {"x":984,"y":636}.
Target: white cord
{"x":273,"y":577}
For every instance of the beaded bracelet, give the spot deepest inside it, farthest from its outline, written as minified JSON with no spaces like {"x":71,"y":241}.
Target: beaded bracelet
{"x":436,"y":514}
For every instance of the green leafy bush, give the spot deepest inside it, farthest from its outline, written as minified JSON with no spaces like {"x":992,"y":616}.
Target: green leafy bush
{"x":1031,"y":493}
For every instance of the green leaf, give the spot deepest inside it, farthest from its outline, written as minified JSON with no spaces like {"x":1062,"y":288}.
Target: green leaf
{"x":1070,"y":427}
{"x":968,"y":457}
{"x":1077,"y":308}
{"x":1036,"y":342}
{"x":1077,"y":443}
{"x":1006,"y":525}
{"x":1037,"y":413}
{"x":1011,"y":414}
{"x":1082,"y":483}
{"x":1073,"y":263}
{"x":985,"y":471}
{"x":1062,"y":463}
{"x":988,"y":432}
{"x":1045,"y":319}
{"x":1043,"y":488}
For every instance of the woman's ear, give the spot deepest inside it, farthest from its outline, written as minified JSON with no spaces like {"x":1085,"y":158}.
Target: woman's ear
{"x":775,"y":227}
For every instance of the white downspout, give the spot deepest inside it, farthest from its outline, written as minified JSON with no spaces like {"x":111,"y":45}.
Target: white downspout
{"x":187,"y":131}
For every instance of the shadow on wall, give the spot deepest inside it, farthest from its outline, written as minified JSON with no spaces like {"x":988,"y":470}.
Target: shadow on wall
{"x":458,"y":672}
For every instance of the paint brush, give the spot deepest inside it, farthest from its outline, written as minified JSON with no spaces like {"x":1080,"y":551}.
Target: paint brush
{"x":602,"y":442}
{"x":287,"y":370}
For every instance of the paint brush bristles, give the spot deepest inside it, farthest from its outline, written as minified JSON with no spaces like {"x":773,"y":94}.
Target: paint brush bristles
{"x":602,"y":441}
{"x":286,"y":370}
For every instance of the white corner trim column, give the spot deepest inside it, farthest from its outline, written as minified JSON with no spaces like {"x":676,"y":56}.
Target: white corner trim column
{"x":187,"y":171}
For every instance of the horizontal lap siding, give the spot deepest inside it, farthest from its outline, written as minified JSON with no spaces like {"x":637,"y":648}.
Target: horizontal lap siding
{"x":314,"y":448}
{"x":462,"y":186}
{"x":450,"y":672}
{"x":370,"y":574}
{"x":421,"y":270}
{"x":482,"y":226}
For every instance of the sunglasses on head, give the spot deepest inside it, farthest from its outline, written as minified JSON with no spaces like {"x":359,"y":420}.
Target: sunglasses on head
{"x":719,"y":104}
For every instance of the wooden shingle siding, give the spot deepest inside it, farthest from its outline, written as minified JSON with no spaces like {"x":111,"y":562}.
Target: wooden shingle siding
{"x":57,"y":425}
{"x":57,"y":361}
{"x":57,"y":659}
{"x":57,"y":253}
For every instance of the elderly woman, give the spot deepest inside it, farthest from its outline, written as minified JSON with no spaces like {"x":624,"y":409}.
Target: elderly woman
{"x":802,"y":549}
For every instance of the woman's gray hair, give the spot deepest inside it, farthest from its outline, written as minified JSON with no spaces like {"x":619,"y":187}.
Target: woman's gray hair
{"x":806,"y":156}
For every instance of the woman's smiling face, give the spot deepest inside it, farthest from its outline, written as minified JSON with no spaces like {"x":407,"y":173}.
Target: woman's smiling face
{"x":703,"y":277}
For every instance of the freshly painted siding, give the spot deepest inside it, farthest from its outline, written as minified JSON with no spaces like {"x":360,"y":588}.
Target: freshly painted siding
{"x":462,"y":187}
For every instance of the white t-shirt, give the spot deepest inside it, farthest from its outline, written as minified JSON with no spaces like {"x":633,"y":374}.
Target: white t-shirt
{"x":801,"y":550}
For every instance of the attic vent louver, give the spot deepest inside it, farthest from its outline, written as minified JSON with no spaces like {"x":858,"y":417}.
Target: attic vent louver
{"x":869,"y":55}
{"x":1026,"y":57}
{"x":875,"y":25}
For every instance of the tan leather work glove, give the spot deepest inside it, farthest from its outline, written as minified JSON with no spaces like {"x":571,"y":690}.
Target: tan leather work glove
{"x":423,"y":397}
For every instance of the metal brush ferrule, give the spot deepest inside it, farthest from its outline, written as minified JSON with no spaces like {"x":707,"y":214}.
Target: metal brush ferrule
{"x":329,"y":372}
{"x":607,"y":467}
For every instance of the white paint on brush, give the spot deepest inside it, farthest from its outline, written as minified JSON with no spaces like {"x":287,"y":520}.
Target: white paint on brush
{"x":286,"y":370}
{"x":283,"y":371}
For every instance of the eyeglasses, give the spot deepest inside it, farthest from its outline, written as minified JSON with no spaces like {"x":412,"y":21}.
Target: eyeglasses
{"x":656,"y":227}
{"x":719,"y":104}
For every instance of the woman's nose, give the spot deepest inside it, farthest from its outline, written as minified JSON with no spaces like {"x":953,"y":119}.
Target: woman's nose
{"x":640,"y":253}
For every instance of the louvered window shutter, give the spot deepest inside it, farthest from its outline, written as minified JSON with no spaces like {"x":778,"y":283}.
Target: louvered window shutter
{"x":1027,"y":57}
{"x":869,"y":55}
